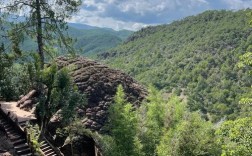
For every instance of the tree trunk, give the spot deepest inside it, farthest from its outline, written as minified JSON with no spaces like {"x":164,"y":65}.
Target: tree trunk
{"x":47,"y":115}
{"x":40,"y":33}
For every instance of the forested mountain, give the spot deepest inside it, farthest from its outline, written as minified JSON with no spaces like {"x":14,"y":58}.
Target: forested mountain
{"x":93,"y":41}
{"x":90,"y":40}
{"x":198,"y":54}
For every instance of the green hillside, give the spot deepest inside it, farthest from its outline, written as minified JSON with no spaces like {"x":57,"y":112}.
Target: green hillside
{"x":93,"y":41}
{"x":89,"y":41}
{"x":198,"y":54}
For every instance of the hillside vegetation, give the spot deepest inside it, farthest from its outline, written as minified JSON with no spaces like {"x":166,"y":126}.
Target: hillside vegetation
{"x":198,"y":54}
{"x":93,"y":41}
{"x":88,"y":40}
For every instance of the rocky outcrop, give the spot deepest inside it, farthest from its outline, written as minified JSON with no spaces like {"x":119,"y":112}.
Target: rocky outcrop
{"x":27,"y":102}
{"x":99,"y":83}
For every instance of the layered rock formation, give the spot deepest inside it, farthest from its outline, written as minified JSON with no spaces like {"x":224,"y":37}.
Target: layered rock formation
{"x":99,"y":84}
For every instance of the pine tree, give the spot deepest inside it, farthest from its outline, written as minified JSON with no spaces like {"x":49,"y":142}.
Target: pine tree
{"x":44,"y":22}
{"x":122,"y":124}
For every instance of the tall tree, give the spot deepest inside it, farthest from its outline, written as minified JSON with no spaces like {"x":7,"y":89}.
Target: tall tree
{"x":44,"y":21}
{"x":152,"y":118}
{"x":122,"y":126}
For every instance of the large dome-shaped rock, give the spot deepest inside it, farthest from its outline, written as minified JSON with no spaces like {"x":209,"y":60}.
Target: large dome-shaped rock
{"x":99,"y":83}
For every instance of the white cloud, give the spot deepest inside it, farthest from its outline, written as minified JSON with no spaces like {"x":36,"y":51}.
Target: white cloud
{"x":107,"y":22}
{"x":238,"y":4}
{"x":134,"y":14}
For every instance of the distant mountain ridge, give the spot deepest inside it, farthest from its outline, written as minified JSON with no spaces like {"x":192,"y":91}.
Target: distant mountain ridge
{"x":198,"y":54}
{"x":81,"y":26}
{"x":90,"y":40}
{"x":96,"y":40}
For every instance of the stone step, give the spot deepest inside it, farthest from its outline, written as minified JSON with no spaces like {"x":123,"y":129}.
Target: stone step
{"x":24,"y":151}
{"x":44,"y":144}
{"x":52,"y":153}
{"x":21,"y":146}
{"x":10,"y":132}
{"x":15,"y":137}
{"x":48,"y":151}
{"x":18,"y":142}
{"x":28,"y":154}
{"x":45,"y":148}
{"x":7,"y":126}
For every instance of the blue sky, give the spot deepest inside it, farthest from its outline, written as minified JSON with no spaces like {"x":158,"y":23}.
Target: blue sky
{"x":135,"y":14}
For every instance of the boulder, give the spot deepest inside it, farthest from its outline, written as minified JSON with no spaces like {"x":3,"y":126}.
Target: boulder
{"x":99,"y":83}
{"x":25,"y":98}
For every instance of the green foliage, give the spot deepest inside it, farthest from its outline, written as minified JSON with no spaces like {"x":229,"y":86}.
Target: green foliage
{"x":73,"y":133}
{"x":245,"y":60}
{"x":152,"y":117}
{"x":198,"y":54}
{"x":175,"y":111}
{"x":170,"y":130}
{"x":61,"y":95}
{"x":87,"y":42}
{"x":122,"y":123}
{"x":246,"y":107}
{"x":5,"y":82}
{"x":19,"y":78}
{"x":158,"y":127}
{"x":235,"y":137}
{"x":190,"y":136}
{"x":94,"y":41}
{"x":13,"y":77}
{"x":33,"y":133}
{"x":246,"y":102}
{"x":44,"y":23}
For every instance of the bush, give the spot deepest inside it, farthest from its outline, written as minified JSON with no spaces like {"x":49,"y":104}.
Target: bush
{"x":14,"y":81}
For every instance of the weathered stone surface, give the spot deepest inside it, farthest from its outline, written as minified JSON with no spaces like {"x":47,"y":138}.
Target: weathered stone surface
{"x":29,"y":96}
{"x":99,"y":84}
{"x":27,"y":103}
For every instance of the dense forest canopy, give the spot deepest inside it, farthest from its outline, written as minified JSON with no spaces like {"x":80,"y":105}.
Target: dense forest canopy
{"x":198,"y":54}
